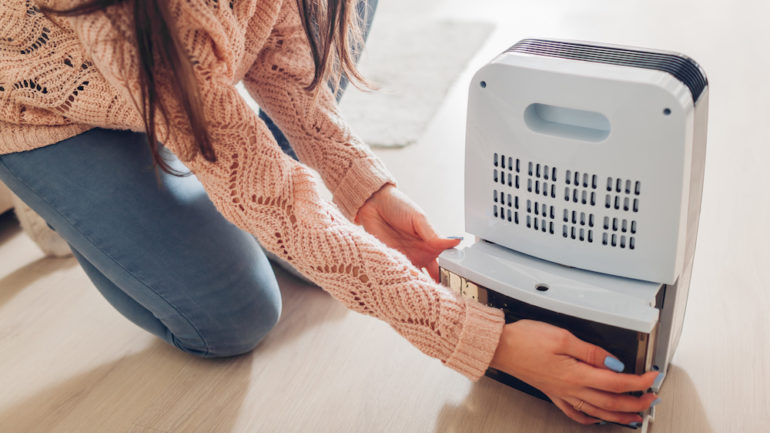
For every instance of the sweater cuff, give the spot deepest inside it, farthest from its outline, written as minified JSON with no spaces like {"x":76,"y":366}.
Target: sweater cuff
{"x":364,"y":177}
{"x":18,"y":138}
{"x":478,"y":340}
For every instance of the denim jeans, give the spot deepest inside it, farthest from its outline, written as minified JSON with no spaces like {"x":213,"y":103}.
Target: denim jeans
{"x":153,"y":244}
{"x":157,"y":249}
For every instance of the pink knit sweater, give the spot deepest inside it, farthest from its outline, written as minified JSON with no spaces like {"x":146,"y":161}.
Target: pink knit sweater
{"x":62,"y":76}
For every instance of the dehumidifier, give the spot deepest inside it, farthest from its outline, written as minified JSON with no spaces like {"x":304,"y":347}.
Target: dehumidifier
{"x":584,"y":167}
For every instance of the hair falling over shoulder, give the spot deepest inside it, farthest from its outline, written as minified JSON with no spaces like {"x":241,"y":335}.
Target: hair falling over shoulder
{"x":333,"y":32}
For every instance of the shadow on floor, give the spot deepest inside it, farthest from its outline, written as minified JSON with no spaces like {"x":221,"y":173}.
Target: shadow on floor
{"x":159,"y":389}
{"x":681,"y":408}
{"x":156,"y":390}
{"x":16,"y":281}
{"x":491,"y":406}
{"x":304,"y":307}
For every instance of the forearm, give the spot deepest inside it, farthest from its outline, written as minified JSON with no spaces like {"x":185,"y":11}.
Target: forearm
{"x":312,"y":123}
{"x":276,"y":199}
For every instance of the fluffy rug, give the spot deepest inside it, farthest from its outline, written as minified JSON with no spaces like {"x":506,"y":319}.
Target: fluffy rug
{"x":37,"y":229}
{"x":413,"y":59}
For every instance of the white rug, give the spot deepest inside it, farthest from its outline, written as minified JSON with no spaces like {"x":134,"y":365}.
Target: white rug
{"x":414,"y":61}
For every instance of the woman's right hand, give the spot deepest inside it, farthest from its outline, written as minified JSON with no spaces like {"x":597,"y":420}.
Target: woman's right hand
{"x":569,"y":370}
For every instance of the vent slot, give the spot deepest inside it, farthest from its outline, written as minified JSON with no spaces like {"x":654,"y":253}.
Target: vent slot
{"x":578,"y":225}
{"x":505,"y":203}
{"x":541,"y":179}
{"x":540,"y":216}
{"x":619,"y":232}
{"x":622,"y":194}
{"x":505,"y":206}
{"x":580,"y":187}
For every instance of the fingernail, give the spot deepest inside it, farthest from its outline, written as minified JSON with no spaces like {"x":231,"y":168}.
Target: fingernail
{"x":635,"y":424}
{"x":658,"y":382}
{"x":614,"y":364}
{"x":656,"y":401}
{"x":456,"y":237}
{"x":603,"y":422}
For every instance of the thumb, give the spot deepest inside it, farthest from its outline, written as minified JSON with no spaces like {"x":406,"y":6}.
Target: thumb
{"x":593,"y":355}
{"x":423,"y":228}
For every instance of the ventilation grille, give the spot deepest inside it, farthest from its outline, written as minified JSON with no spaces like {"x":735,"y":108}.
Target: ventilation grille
{"x":578,"y":225}
{"x":622,"y":194}
{"x":619,"y":233}
{"x":581,"y":187}
{"x":540,"y":216}
{"x":553,"y":202}
{"x":682,"y":68}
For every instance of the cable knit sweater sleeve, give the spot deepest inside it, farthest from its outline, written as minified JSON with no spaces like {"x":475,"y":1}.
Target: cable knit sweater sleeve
{"x":312,"y":124}
{"x":263,"y":191}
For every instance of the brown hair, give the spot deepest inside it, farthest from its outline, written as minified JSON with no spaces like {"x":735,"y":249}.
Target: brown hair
{"x":331,"y":27}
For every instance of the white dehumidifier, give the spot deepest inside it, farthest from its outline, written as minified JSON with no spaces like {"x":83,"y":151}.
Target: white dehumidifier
{"x":583,"y":177}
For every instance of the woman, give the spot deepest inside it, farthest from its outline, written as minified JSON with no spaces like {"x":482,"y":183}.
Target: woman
{"x":81,"y":89}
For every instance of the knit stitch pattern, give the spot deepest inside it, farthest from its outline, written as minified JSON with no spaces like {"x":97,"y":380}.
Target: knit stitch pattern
{"x":62,"y":76}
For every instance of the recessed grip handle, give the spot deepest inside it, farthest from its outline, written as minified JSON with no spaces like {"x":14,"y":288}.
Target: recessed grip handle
{"x":567,"y":122}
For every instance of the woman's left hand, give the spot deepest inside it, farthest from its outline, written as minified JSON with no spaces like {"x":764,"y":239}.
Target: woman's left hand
{"x":399,"y":223}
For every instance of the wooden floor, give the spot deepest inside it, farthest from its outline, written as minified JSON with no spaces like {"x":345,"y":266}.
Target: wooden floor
{"x":70,"y":363}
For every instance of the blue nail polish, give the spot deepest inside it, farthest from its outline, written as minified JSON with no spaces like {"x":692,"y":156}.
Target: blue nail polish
{"x":658,"y":382}
{"x":635,"y":424}
{"x":657,"y":400}
{"x":614,"y":364}
{"x":456,"y":237}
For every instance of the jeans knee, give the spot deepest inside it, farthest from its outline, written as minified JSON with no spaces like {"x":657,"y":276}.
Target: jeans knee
{"x":247,"y":338}
{"x":238,"y":333}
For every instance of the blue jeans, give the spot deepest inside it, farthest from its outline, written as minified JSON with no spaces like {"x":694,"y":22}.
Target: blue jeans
{"x":154,"y":246}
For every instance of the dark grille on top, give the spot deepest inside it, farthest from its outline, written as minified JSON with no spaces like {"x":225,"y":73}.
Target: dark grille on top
{"x":680,"y":67}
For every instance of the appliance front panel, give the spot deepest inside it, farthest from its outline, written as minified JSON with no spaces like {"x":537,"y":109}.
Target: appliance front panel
{"x":582,"y":164}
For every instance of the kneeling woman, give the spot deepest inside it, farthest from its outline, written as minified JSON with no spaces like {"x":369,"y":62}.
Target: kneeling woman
{"x":84,"y":87}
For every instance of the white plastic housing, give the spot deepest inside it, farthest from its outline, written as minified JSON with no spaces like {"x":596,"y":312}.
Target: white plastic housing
{"x":627,"y":136}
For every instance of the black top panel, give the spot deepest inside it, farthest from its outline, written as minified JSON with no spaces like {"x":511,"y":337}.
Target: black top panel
{"x":682,"y":68}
